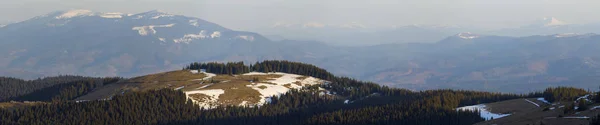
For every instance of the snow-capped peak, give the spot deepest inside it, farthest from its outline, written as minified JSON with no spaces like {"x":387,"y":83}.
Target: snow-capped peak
{"x":467,"y":35}
{"x":2,"y":25}
{"x":154,"y":14}
{"x":551,"y":21}
{"x":74,"y":13}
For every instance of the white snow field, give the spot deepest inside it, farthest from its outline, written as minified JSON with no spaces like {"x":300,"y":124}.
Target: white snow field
{"x":484,"y":113}
{"x":268,"y":88}
{"x":279,"y":88}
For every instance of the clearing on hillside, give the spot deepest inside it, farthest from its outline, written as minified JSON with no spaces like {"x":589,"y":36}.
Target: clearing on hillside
{"x":211,"y":90}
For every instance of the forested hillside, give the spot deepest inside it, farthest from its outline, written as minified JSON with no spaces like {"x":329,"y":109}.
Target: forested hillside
{"x":354,"y":102}
{"x":17,"y":89}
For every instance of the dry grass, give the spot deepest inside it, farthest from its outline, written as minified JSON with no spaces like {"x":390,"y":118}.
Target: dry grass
{"x":13,"y":105}
{"x":235,"y":86}
{"x":172,"y":80}
{"x":298,"y":83}
{"x":302,"y":77}
{"x":289,"y":86}
{"x":525,"y":113}
{"x":262,"y":87}
{"x":236,"y":90}
{"x":200,"y":97}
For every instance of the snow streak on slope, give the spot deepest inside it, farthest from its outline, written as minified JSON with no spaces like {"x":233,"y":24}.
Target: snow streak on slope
{"x":532,"y":103}
{"x":467,"y":35}
{"x":145,"y":30}
{"x":483,"y":112}
{"x":543,"y":100}
{"x":194,"y":23}
{"x":247,"y":38}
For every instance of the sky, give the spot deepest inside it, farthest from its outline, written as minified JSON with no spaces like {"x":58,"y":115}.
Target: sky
{"x":251,"y":14}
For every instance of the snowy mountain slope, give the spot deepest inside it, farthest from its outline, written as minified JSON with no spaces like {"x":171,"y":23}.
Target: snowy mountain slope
{"x":108,"y":44}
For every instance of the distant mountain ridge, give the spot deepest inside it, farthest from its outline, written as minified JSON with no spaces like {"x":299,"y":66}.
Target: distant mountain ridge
{"x":116,"y":44}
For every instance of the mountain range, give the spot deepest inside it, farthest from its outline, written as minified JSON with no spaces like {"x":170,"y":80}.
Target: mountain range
{"x":356,"y":34}
{"x":90,"y":43}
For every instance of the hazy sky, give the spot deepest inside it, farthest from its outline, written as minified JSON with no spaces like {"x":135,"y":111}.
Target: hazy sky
{"x":249,"y":14}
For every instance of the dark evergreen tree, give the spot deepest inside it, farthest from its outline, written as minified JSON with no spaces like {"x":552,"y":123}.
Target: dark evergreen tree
{"x":582,"y":105}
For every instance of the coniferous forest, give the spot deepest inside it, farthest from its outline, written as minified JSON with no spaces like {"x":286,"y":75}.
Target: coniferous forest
{"x":371,"y":103}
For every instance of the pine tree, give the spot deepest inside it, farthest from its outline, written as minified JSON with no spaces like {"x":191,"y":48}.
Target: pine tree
{"x":582,"y":105}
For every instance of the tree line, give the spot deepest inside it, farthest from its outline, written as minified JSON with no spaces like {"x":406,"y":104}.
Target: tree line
{"x":264,"y":66}
{"x":554,"y":94}
{"x":67,"y":91}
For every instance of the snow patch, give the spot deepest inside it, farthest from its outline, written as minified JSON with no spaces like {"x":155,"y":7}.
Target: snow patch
{"x":467,"y":35}
{"x":111,"y":15}
{"x":178,"y":88}
{"x":532,"y":103}
{"x":584,"y":97}
{"x":255,"y":73}
{"x":244,"y":103}
{"x":483,"y":112}
{"x":566,"y":35}
{"x":268,"y":90}
{"x":74,"y":13}
{"x":194,"y":71}
{"x":204,"y":86}
{"x":577,"y":117}
{"x":187,"y":38}
{"x":313,"y":25}
{"x":209,"y":103}
{"x":138,"y":17}
{"x":278,"y":85}
{"x":347,"y":101}
{"x":247,"y":38}
{"x":162,"y":15}
{"x":215,"y":34}
{"x":543,"y":100}
{"x":194,"y":23}
{"x":145,"y":30}
{"x":162,"y":39}
{"x":208,"y":75}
